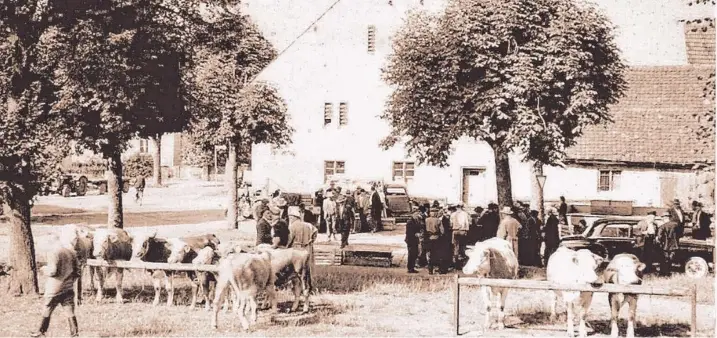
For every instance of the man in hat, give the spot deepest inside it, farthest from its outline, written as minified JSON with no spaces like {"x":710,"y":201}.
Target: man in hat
{"x":508,"y":228}
{"x":263,"y":228}
{"x":529,"y":241}
{"x":668,"y":242}
{"x":645,"y":233}
{"x":376,"y":210}
{"x":330,"y":214}
{"x":432,"y":236}
{"x":700,"y":222}
{"x":344,"y":220}
{"x":280,"y":229}
{"x":563,"y":211}
{"x":490,"y":220}
{"x":302,"y":236}
{"x":363,"y":207}
{"x":551,"y":234}
{"x":414,"y":231}
{"x":460,"y":223}
{"x":282,"y":204}
{"x":677,"y":215}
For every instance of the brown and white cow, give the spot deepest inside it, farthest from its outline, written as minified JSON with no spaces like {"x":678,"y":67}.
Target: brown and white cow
{"x":247,"y":274}
{"x":624,"y":269}
{"x":290,"y":264}
{"x":566,"y":266}
{"x":80,"y":238}
{"x":492,"y":258}
{"x":111,"y":244}
{"x":146,"y":246}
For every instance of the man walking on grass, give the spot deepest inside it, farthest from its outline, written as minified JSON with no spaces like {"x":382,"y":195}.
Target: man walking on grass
{"x":139,"y":184}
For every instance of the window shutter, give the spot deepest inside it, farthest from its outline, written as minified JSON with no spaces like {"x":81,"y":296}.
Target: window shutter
{"x":343,"y":114}
{"x":371,"y":38}
{"x":328,"y":111}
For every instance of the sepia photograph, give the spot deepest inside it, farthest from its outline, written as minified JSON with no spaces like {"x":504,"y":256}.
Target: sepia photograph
{"x":357,"y":168}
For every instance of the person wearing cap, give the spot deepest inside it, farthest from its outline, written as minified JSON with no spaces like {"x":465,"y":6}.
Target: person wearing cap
{"x":701,"y":222}
{"x":344,"y":220}
{"x":280,"y":229}
{"x":551,"y":234}
{"x":490,"y":220}
{"x":529,"y":240}
{"x":263,"y":228}
{"x":677,"y":215}
{"x":508,"y":228}
{"x":645,"y":233}
{"x":414,"y":231}
{"x":302,"y":236}
{"x":329,"y":210}
{"x":432,"y":236}
{"x":667,"y":239}
{"x":282,"y":204}
{"x":461,"y":224}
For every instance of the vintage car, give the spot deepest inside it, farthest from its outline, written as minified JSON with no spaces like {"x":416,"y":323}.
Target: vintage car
{"x":398,"y":202}
{"x":612,"y":235}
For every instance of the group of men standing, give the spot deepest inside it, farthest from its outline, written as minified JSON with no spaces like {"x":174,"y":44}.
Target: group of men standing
{"x":437,"y":237}
{"x":339,"y":210}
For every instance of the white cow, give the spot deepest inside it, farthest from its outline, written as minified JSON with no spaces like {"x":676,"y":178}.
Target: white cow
{"x":111,"y":244}
{"x":493,"y":258}
{"x":624,"y":269}
{"x":566,"y":266}
{"x":292,"y":265}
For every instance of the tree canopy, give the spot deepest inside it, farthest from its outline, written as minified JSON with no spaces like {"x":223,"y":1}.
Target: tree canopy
{"x":520,"y":75}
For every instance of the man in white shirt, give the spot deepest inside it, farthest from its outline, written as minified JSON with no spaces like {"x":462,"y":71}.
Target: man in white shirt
{"x":647,"y":228}
{"x":460,"y":223}
{"x":330,"y":215}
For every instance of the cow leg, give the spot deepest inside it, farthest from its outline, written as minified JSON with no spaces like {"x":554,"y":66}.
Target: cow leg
{"x":92,"y":278}
{"x":241,"y":309}
{"x":157,"y":282}
{"x":585,"y":299}
{"x":100,"y":284}
{"x":632,"y":303}
{"x":271,"y":297}
{"x":553,"y":306}
{"x":219,"y":294}
{"x":571,"y":319}
{"x":501,"y":307}
{"x":252,"y":308}
{"x":170,"y":289}
{"x":297,"y":294}
{"x":195,"y":289}
{"x":306,"y":287}
{"x":614,"y":312}
{"x":118,"y":275}
{"x":485,"y":291}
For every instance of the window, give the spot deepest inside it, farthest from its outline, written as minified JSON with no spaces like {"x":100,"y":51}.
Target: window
{"x":343,"y":113}
{"x":143,"y":146}
{"x":333,"y":168}
{"x":371,"y":38}
{"x":609,"y":180}
{"x":403,"y":171}
{"x":328,"y":113}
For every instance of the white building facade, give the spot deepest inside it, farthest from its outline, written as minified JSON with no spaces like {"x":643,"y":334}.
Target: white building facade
{"x":331,"y":81}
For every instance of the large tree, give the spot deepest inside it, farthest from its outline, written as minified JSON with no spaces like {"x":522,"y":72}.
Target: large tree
{"x":520,"y":75}
{"x":231,"y":109}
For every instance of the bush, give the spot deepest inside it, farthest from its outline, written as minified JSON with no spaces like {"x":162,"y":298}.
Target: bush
{"x":138,"y":164}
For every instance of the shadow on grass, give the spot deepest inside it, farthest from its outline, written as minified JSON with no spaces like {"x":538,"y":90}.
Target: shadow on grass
{"x":136,"y":219}
{"x":602,"y":327}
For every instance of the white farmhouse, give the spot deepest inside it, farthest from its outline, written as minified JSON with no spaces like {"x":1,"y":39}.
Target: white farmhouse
{"x":331,"y":80}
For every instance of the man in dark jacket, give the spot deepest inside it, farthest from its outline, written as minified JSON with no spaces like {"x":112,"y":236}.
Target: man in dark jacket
{"x":376,"y":210}
{"x":529,"y":238}
{"x":700,"y":222}
{"x":563,"y":211}
{"x":678,"y":216}
{"x":344,"y":220}
{"x":432,"y":238}
{"x":551,"y":234}
{"x":139,"y":185}
{"x":668,"y":242}
{"x":414,"y":231}
{"x":263,"y":228}
{"x":490,"y":221}
{"x":280,"y":228}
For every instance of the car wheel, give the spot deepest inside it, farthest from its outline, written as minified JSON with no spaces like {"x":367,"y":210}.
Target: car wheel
{"x":696,"y":267}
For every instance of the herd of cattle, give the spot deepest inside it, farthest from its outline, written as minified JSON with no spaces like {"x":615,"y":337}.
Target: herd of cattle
{"x":494,"y":258}
{"x":241,"y":272}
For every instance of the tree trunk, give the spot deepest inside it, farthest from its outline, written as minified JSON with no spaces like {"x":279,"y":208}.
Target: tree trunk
{"x":23,"y":272}
{"x":538,"y":191}
{"x":157,"y":160}
{"x":233,"y":203}
{"x":206,"y":174}
{"x":502,"y":177}
{"x":114,"y":191}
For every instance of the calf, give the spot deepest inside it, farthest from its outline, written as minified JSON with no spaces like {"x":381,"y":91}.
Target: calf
{"x":111,"y":244}
{"x":566,"y":266}
{"x":80,"y":238}
{"x":206,"y":256}
{"x":624,"y":269}
{"x":493,"y":258}
{"x":247,"y":274}
{"x":293,"y":265}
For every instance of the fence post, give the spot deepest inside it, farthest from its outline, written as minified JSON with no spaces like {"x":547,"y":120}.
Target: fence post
{"x":456,"y":303}
{"x":693,"y":305}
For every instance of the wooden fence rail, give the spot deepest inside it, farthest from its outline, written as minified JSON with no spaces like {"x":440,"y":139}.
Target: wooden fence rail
{"x":152,"y":266}
{"x":546,"y":285}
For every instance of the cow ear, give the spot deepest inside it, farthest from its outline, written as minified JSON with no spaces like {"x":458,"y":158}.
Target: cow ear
{"x":152,"y":234}
{"x":113,"y":238}
{"x":641,"y":267}
{"x":187,"y":248}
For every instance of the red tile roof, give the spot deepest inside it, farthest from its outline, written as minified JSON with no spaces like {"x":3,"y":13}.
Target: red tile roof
{"x":654,"y":122}
{"x":700,"y":42}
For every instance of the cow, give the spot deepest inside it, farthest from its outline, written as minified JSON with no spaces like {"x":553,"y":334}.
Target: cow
{"x":566,"y":266}
{"x":624,"y":269}
{"x":247,"y":274}
{"x":291,"y":264}
{"x":205,"y":256}
{"x":146,"y":246}
{"x":80,"y":237}
{"x":111,"y":244}
{"x":492,"y":258}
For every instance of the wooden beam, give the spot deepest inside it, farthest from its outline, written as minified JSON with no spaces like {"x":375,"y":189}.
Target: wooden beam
{"x":456,"y":305}
{"x":546,"y":285}
{"x":152,"y":266}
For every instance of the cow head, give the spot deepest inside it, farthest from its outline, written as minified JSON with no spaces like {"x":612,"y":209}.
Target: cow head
{"x":587,"y":264}
{"x":205,"y":256}
{"x":141,"y":242}
{"x":624,"y":269}
{"x":103,"y":243}
{"x":179,"y":250}
{"x":478,"y":262}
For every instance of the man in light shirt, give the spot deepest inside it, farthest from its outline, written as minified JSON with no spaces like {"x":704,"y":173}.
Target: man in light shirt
{"x":460,"y":223}
{"x":330,"y":215}
{"x":647,"y":229}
